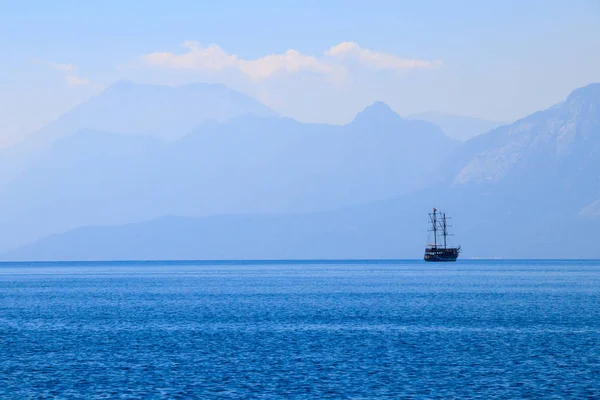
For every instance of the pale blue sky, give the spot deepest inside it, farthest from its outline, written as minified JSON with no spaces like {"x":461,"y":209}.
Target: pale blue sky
{"x":498,"y":60}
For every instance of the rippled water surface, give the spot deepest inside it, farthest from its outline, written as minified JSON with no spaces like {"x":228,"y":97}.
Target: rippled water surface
{"x":301,"y":330}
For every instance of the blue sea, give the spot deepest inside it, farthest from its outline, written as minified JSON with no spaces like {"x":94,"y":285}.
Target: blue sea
{"x":348,"y":329}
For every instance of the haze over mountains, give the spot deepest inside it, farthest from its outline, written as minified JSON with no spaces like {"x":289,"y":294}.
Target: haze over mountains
{"x":128,"y":108}
{"x":457,"y":126}
{"x":260,"y":186}
{"x":251,"y":162}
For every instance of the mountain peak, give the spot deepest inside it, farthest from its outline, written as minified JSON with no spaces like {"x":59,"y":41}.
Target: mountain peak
{"x":378,"y":111}
{"x":586,"y":94}
{"x":378,"y":107}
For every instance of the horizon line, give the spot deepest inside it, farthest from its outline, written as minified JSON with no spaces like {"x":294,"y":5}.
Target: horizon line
{"x":284,"y":261}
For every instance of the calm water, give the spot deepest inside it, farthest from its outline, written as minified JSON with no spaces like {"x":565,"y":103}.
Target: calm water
{"x":317,"y":330}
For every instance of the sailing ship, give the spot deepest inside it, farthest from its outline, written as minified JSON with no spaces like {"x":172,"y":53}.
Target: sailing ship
{"x":440,"y":252}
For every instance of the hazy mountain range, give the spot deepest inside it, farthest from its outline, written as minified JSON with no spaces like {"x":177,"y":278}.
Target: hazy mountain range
{"x":128,"y":108}
{"x":244,"y":165}
{"x":268,"y":187}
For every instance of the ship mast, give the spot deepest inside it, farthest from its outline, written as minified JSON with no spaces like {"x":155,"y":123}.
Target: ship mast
{"x":434,"y":223}
{"x":445,"y":231}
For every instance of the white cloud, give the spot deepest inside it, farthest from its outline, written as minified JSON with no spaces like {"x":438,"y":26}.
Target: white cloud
{"x":214,"y":59}
{"x":290,"y":62}
{"x":376,"y":60}
{"x":211,"y":58}
{"x":76,"y":81}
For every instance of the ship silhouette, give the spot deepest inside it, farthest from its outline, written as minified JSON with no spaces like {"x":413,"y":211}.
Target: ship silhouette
{"x":440,"y":252}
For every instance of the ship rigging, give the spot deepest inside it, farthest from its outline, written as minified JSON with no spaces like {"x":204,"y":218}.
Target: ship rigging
{"x":440,"y":252}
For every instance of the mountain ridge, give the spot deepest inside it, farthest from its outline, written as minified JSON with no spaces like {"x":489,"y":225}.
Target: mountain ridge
{"x":526,"y":209}
{"x":131,"y":108}
{"x":248,"y":164}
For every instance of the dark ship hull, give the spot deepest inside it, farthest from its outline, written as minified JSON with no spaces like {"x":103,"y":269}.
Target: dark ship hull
{"x":441,"y":255}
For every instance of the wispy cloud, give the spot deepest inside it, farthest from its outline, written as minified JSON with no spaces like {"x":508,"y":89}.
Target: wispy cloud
{"x":69,"y":70}
{"x":73,"y":80}
{"x":377,"y":60}
{"x":214,"y":59}
{"x":57,"y":66}
{"x":62,"y":67}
